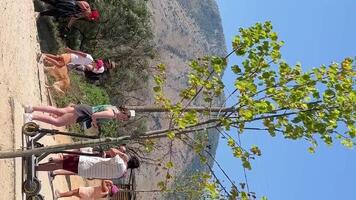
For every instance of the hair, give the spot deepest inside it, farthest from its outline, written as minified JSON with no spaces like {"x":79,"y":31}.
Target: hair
{"x":133,"y":162}
{"x":124,"y":111}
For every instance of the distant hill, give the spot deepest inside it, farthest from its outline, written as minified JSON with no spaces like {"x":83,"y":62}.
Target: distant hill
{"x":184,"y":30}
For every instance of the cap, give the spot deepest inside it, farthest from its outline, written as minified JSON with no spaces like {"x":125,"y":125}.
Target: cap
{"x":132,"y":113}
{"x":99,"y":63}
{"x":94,"y":15}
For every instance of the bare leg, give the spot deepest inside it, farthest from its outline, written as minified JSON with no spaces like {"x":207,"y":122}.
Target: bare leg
{"x":55,"y":57}
{"x":62,"y":172}
{"x":71,"y":193}
{"x":50,"y":166}
{"x":54,"y":110}
{"x":54,"y":60}
{"x":66,"y":119}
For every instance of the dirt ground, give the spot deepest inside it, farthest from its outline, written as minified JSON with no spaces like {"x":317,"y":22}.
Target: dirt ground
{"x":21,"y":83}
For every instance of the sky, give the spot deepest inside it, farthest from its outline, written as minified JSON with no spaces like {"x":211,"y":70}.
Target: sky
{"x":315,"y":32}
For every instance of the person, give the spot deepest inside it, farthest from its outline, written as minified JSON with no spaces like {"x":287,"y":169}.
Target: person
{"x":70,"y":8}
{"x":91,"y":167}
{"x":107,"y":188}
{"x":80,"y":113}
{"x":100,"y":74}
{"x":71,"y":57}
{"x":77,"y":60}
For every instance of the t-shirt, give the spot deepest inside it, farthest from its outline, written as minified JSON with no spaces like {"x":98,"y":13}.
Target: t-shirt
{"x":100,"y":108}
{"x":80,"y":60}
{"x":101,"y":168}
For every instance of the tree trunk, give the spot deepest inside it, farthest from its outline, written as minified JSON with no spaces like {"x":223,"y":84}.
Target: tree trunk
{"x":142,"y":109}
{"x":62,"y":147}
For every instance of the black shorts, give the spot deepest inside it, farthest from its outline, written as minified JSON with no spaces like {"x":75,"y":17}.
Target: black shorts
{"x":83,"y":112}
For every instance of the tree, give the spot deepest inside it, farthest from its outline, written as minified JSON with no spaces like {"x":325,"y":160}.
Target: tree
{"x":286,"y":100}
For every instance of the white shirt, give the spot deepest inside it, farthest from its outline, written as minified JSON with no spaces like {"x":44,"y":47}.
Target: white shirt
{"x":80,"y":60}
{"x":101,"y":168}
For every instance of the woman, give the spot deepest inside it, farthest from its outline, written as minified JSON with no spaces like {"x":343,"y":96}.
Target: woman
{"x":75,"y":60}
{"x":71,"y":57}
{"x":107,"y":188}
{"x":80,"y":113}
{"x":70,"y":8}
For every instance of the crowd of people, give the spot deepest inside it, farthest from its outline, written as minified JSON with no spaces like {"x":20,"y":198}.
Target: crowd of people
{"x":106,"y":165}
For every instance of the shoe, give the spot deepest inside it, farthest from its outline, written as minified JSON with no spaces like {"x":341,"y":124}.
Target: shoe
{"x":37,"y":15}
{"x":27,"y":117}
{"x":28,"y":109}
{"x":39,"y":58}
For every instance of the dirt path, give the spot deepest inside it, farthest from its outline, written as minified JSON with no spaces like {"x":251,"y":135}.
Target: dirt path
{"x":21,"y":83}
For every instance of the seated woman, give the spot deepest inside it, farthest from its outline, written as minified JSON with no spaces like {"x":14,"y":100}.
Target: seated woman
{"x":70,"y":8}
{"x":80,"y":113}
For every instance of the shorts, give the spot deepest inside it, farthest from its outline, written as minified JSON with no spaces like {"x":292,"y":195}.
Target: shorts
{"x":70,"y":163}
{"x":83,"y":112}
{"x":66,"y":58}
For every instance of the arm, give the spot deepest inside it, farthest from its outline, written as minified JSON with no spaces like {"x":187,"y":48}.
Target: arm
{"x":71,"y":21}
{"x":107,"y":114}
{"x":84,"y":6}
{"x":79,"y":53}
{"x":114,"y":151}
{"x":105,"y":184}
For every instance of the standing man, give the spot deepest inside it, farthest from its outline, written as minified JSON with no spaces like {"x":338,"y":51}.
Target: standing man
{"x":92,"y":167}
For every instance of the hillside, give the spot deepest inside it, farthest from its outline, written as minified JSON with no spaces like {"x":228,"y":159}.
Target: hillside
{"x":184,"y":30}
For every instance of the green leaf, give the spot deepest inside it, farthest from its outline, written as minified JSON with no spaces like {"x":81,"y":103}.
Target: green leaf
{"x":162,"y":186}
{"x":347,"y":143}
{"x":246,"y":113}
{"x":255,"y":150}
{"x":169,"y":165}
{"x":246,"y":164}
{"x":244,"y":196}
{"x":237,"y":151}
{"x":171,"y":135}
{"x":264,"y":198}
{"x":236,"y":69}
{"x":231,"y":142}
{"x":157,"y":88}
{"x":311,"y":150}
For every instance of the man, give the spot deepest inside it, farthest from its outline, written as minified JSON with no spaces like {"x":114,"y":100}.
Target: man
{"x":115,"y":166}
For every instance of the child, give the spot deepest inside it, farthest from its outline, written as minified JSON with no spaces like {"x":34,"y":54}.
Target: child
{"x":107,"y":188}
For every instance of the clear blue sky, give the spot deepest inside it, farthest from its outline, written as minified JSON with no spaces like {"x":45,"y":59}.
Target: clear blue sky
{"x":315,"y":32}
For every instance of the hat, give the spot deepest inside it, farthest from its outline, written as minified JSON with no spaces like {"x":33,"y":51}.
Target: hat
{"x":94,"y":15}
{"x":132,"y":113}
{"x":99,"y":63}
{"x":114,"y":189}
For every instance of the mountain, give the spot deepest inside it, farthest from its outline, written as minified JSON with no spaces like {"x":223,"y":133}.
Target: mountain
{"x":183,"y":30}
